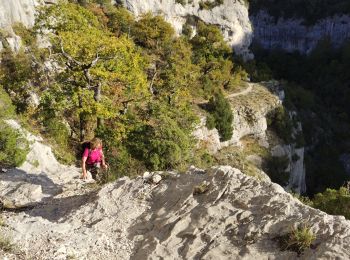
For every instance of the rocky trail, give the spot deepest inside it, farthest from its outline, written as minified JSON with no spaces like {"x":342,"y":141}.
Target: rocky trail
{"x":243,"y":92}
{"x":233,"y":217}
{"x":219,"y":213}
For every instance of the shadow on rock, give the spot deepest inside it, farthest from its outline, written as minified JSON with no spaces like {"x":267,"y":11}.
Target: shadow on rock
{"x":58,"y":209}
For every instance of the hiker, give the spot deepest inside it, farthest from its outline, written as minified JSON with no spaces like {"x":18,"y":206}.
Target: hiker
{"x":93,"y":159}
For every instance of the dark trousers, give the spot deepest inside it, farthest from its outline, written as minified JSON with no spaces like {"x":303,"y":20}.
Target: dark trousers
{"x":95,"y":170}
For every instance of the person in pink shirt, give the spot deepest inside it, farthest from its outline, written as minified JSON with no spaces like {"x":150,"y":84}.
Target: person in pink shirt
{"x":93,"y":159}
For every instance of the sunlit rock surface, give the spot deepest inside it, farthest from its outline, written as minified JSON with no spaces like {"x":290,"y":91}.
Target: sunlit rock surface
{"x":237,"y":217}
{"x":232,"y":17}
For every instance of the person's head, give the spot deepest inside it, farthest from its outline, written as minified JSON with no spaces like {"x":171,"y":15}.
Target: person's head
{"x":95,"y":143}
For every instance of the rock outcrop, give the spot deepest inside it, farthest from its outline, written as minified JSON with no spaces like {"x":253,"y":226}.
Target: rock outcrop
{"x":293,"y":35}
{"x":231,"y":16}
{"x":233,"y":217}
{"x":250,"y":108}
{"x":40,"y":178}
{"x":17,"y":11}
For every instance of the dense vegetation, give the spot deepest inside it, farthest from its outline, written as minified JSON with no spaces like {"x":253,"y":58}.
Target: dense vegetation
{"x":309,"y":10}
{"x":131,"y":82}
{"x":220,"y":116}
{"x":318,"y":86}
{"x":13,"y":147}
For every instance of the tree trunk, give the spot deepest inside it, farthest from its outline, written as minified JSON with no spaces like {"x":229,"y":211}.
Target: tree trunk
{"x":97,"y":97}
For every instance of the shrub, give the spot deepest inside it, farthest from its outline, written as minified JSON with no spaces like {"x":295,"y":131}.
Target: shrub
{"x":120,"y":161}
{"x":335,"y":202}
{"x":298,"y":239}
{"x":181,"y":2}
{"x":280,"y":122}
{"x":220,"y":113}
{"x":276,"y":169}
{"x":165,"y":146}
{"x":5,"y":244}
{"x":58,"y":131}
{"x":7,"y":110}
{"x":13,"y":147}
{"x":120,"y":20}
{"x":201,"y":188}
{"x":152,"y":32}
{"x":208,"y":5}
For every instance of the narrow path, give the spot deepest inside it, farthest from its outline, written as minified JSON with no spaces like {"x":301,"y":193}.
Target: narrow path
{"x":243,"y":92}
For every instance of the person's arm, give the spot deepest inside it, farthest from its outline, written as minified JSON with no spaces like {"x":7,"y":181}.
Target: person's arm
{"x":83,"y":166}
{"x":104,"y":165}
{"x":83,"y":163}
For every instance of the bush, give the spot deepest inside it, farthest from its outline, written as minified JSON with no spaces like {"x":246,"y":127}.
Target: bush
{"x":220,"y":113}
{"x":208,"y":5}
{"x":298,"y":239}
{"x":335,"y":202}
{"x":276,"y":169}
{"x":13,"y":147}
{"x":7,"y":110}
{"x":165,"y":146}
{"x":280,"y":122}
{"x":120,"y":20}
{"x":58,"y":131}
{"x":120,"y":161}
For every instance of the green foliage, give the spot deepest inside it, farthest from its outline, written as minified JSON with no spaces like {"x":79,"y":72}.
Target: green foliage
{"x":280,"y":122}
{"x":208,"y":5}
{"x":15,"y":73}
{"x":100,"y":63}
{"x":335,"y":202}
{"x":66,"y":17}
{"x":221,"y":113}
{"x":201,"y":188}
{"x":27,"y":35}
{"x":298,"y":239}
{"x":212,"y":54}
{"x":276,"y":168}
{"x":164,"y":142}
{"x":13,"y":147}
{"x":7,"y":110}
{"x":318,"y":88}
{"x":120,"y":21}
{"x":130,"y":82}
{"x":179,"y":76}
{"x":202,"y":158}
{"x":181,"y":2}
{"x":187,"y":30}
{"x":58,"y":130}
{"x":5,"y":244}
{"x":152,"y":32}
{"x":303,"y":199}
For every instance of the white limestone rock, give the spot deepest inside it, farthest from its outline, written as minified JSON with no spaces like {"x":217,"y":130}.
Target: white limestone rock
{"x":293,"y":35}
{"x":17,"y":11}
{"x":238,"y":217}
{"x":250,"y":109}
{"x":232,"y":17}
{"x":40,"y":177}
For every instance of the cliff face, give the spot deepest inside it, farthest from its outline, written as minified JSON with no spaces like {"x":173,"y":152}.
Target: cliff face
{"x":13,"y":11}
{"x":250,"y":108}
{"x":231,"y":16}
{"x":292,"y":35}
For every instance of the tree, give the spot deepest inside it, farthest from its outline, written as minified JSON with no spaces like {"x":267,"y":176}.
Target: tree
{"x":220,"y":116}
{"x":102,"y":73}
{"x":213,"y":55}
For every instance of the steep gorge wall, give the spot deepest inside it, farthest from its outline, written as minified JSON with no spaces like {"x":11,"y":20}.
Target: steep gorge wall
{"x":231,"y":16}
{"x":293,"y":35}
{"x":17,"y":11}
